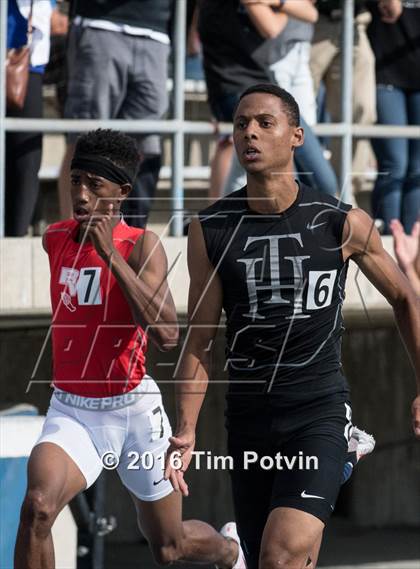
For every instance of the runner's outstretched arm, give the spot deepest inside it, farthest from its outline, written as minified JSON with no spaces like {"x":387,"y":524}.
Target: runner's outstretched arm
{"x":362,"y":243}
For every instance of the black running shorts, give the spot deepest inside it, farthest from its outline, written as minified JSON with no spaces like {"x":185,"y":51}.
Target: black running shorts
{"x":291,"y":457}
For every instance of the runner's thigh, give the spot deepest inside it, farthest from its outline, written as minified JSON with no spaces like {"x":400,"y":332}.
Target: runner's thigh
{"x":70,"y":448}
{"x":142,"y":459}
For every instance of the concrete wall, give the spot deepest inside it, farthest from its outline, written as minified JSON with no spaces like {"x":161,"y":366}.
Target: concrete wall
{"x":24,"y":277}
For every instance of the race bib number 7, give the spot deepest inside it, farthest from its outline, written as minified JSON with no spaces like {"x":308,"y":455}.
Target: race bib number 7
{"x":85,"y":284}
{"x":88,"y":286}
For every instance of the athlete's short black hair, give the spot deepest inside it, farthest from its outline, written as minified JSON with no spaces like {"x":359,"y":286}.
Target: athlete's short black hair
{"x":290,"y":106}
{"x":112,"y":144}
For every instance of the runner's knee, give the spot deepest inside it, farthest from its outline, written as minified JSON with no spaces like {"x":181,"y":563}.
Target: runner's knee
{"x":38,"y":512}
{"x":286,"y":556}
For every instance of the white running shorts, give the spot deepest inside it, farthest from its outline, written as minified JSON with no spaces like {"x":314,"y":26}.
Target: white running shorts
{"x":99,"y":433}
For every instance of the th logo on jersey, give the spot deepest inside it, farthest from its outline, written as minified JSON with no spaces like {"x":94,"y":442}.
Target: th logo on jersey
{"x":320,"y":283}
{"x":83,"y":284}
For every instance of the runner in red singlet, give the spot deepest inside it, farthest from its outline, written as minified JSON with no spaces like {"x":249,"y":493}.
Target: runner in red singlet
{"x":109,"y":293}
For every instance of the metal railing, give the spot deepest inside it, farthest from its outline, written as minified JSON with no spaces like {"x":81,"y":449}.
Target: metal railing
{"x":177,"y":127}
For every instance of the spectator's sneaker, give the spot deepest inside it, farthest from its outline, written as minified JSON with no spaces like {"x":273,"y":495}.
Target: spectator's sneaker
{"x":229,"y":532}
{"x":360,"y":445}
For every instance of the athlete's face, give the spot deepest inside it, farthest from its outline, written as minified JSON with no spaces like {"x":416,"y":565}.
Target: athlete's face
{"x":92,"y":195}
{"x":264,"y":140}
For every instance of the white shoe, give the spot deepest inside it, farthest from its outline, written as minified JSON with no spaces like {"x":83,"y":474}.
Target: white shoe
{"x":360,"y":442}
{"x":229,"y":532}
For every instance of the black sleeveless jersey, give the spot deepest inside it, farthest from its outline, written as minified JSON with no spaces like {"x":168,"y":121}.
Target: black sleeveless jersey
{"x":283,"y":279}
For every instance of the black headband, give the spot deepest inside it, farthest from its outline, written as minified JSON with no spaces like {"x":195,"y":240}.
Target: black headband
{"x":101,"y":166}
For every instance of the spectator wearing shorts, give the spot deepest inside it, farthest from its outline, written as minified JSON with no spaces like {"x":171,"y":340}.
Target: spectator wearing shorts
{"x":117,"y":69}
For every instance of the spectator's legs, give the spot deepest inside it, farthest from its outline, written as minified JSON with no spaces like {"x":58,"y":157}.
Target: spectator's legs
{"x":410,"y":207}
{"x":303,"y":87}
{"x":325,"y":47}
{"x":137,"y":207}
{"x":97,"y":81}
{"x":236,"y":178}
{"x":363,"y":99}
{"x":220,"y":166}
{"x":284,"y":70}
{"x":64,"y":196}
{"x":23,"y":160}
{"x":222,"y":108}
{"x":146,"y":98}
{"x":292,"y":73}
{"x":314,"y":170}
{"x":38,"y":223}
{"x":392,"y":156}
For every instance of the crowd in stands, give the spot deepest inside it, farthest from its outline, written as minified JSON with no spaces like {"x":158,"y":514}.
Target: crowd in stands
{"x":116,"y":57}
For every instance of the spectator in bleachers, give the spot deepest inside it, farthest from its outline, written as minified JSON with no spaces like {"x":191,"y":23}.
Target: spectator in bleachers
{"x":56,"y":70}
{"x":194,"y":60}
{"x":407,"y":251}
{"x":325,"y":65}
{"x":55,"y":74}
{"x":24,"y":149}
{"x":395,"y":37}
{"x":289,"y":51}
{"x":248,"y":40}
{"x":233,"y":58}
{"x":117,"y":68}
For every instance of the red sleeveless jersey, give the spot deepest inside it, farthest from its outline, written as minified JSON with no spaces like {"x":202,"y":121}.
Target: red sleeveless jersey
{"x":98,"y":350}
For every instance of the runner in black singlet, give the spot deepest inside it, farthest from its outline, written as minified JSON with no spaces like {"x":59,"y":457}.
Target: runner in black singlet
{"x":274,"y":256}
{"x":282,"y":277}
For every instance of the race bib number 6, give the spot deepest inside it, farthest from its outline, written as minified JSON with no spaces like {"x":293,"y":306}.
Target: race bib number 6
{"x":320,"y":289}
